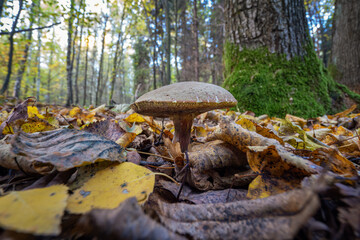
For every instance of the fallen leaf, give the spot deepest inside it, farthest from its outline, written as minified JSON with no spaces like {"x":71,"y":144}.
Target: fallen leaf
{"x":275,"y":217}
{"x":107,"y":128}
{"x":20,"y":211}
{"x":128,"y":221}
{"x":65,"y":149}
{"x":213,"y":165}
{"x":110,"y":186}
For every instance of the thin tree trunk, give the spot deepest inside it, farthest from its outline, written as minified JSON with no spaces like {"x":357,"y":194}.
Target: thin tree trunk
{"x":176,"y":40}
{"x":85,"y":73}
{"x":155,"y":44}
{"x":23,"y":61}
{"x":116,"y":62}
{"x":196,"y":39}
{"x":2,"y":2}
{"x":69,"y":99}
{"x":11,"y":50}
{"x":50,"y":68}
{"x":77,"y":67}
{"x":97,"y":99}
{"x":168,"y":43}
{"x":92,"y":79}
{"x":38,"y":79}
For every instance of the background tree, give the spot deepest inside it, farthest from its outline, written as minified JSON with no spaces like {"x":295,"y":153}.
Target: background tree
{"x":270,"y":64}
{"x":345,"y":51}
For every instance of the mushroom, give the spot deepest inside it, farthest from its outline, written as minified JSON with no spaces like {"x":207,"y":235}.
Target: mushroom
{"x":182,"y":102}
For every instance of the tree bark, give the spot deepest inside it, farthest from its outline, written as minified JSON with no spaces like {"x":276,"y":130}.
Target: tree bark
{"x":176,"y":39}
{"x":69,"y":99}
{"x":279,"y":25}
{"x":11,"y":50}
{"x":345,"y":51}
{"x":98,"y":85}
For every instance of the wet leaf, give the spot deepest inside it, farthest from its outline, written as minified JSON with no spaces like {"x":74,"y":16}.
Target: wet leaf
{"x":111,"y":186}
{"x":65,"y":149}
{"x":20,"y":211}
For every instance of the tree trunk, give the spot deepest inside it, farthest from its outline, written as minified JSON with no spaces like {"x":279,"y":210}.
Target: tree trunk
{"x":98,"y":85}
{"x":51,"y":60}
{"x":345,"y":51}
{"x":270,"y":64}
{"x":116,"y":63}
{"x":196,"y":39}
{"x":77,"y":67}
{"x":11,"y":50}
{"x":23,"y":61}
{"x":279,"y":25}
{"x":155,"y":44}
{"x":38,"y":60}
{"x":85,"y":71}
{"x":176,"y":40}
{"x":93,"y":61}
{"x":69,"y":99}
{"x":1,"y":6}
{"x":168,"y":43}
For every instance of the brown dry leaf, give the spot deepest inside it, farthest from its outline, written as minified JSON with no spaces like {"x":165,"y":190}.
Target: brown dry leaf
{"x":338,"y":163}
{"x":276,"y":217}
{"x":108,"y":129}
{"x":280,"y":170}
{"x":196,"y":197}
{"x":128,"y":221}
{"x":213,"y":165}
{"x":65,"y":149}
{"x":12,"y":161}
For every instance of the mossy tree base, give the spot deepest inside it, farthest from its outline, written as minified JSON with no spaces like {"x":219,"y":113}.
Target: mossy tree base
{"x":268,"y":83}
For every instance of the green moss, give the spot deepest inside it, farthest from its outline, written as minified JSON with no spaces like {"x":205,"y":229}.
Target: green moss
{"x":269,"y":83}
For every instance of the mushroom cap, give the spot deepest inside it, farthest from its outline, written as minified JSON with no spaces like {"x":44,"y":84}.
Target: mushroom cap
{"x":183,"y":98}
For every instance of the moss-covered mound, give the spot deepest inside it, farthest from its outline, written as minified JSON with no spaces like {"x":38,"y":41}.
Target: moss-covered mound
{"x":269,"y":83}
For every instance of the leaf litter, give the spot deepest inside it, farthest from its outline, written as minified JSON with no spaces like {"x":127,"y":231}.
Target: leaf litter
{"x":250,"y":177}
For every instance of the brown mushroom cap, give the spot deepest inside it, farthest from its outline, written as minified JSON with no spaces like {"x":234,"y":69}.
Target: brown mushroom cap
{"x":183,"y":97}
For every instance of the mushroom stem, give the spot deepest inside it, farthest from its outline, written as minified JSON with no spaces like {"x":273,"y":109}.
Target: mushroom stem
{"x":183,"y":124}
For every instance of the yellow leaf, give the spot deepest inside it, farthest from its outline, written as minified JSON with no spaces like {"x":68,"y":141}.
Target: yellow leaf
{"x":74,"y":111}
{"x":37,"y":211}
{"x":33,"y":111}
{"x":134,"y":118}
{"x":111,"y":186}
{"x":247,"y":124}
{"x":265,"y":186}
{"x":32,"y":127}
{"x":126,"y":139}
{"x":8,"y":129}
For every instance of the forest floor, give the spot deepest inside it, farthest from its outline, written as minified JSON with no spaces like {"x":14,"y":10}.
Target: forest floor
{"x":110,"y":173}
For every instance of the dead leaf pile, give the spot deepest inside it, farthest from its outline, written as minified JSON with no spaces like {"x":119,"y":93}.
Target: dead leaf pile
{"x":109,"y":174}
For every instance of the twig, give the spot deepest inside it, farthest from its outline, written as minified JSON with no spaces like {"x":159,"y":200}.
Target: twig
{"x":152,"y":154}
{"x":29,"y":29}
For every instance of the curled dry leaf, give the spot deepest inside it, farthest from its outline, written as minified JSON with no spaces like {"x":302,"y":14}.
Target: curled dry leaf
{"x":279,"y":170}
{"x":12,"y":161}
{"x":131,"y":223}
{"x":276,"y":217}
{"x":236,"y":135}
{"x":108,"y":129}
{"x":65,"y":149}
{"x":213,"y":165}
